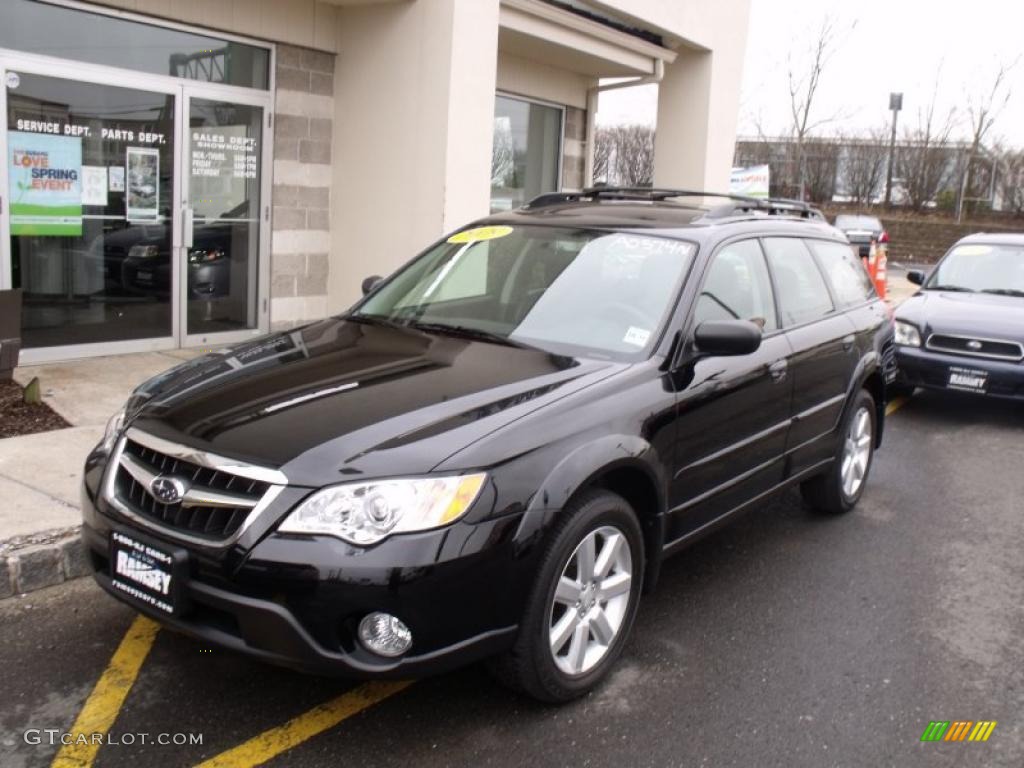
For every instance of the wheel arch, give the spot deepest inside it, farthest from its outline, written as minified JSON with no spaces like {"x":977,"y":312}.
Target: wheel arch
{"x":622,"y":464}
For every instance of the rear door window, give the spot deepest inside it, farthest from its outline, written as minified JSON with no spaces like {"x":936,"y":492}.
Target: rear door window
{"x":801,"y":290}
{"x":845,"y":272}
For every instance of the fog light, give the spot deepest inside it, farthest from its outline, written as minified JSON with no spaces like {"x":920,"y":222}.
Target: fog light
{"x":384,"y":634}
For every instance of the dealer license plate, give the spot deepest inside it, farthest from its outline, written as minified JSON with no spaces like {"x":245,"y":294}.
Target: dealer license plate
{"x":147,"y":574}
{"x":967,"y":379}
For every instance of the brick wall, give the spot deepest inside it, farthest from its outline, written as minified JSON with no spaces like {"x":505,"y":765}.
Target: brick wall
{"x":303,"y":126}
{"x":573,"y":148}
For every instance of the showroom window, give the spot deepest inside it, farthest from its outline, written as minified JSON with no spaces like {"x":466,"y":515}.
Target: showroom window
{"x":51,"y":30}
{"x":526,"y":153}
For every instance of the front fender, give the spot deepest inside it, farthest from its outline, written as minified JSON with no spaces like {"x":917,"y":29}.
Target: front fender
{"x":584,"y":467}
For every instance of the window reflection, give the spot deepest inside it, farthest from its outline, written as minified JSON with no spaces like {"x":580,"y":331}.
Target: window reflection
{"x":69,"y":33}
{"x":525,"y":152}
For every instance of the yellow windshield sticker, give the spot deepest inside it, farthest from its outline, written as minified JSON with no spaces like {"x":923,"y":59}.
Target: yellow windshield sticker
{"x":480,"y":233}
{"x":973,"y":250}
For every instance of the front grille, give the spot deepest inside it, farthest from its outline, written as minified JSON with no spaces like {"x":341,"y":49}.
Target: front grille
{"x":214,"y":508}
{"x":967,"y":345}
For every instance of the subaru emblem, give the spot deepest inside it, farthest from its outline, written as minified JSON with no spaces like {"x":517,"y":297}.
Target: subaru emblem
{"x":167,"y":489}
{"x":974,"y":344}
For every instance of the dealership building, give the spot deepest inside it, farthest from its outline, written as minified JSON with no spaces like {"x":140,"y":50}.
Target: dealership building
{"x":187,"y":173}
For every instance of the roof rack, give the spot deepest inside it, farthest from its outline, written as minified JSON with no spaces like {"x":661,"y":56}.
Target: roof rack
{"x":777,"y":206}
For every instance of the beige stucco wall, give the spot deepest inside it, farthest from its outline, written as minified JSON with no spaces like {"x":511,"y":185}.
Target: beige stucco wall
{"x":698,"y":100}
{"x":524,"y":77}
{"x":308,"y":23}
{"x":413,"y":124}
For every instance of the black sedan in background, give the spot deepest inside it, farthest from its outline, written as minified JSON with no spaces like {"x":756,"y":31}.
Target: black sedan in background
{"x":861,"y":230}
{"x":964,"y":330}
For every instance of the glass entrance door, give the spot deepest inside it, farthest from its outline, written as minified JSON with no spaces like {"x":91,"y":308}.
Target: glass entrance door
{"x":223,"y":225}
{"x":132,"y":212}
{"x":89,"y":210}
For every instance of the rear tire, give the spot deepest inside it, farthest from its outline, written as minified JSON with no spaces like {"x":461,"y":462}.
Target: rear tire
{"x":840,"y":487}
{"x":582,"y":605}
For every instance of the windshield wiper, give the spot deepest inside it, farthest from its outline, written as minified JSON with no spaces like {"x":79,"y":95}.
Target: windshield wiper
{"x":1004,"y":291}
{"x":467,"y":332}
{"x":949,"y":288}
{"x":385,"y":322}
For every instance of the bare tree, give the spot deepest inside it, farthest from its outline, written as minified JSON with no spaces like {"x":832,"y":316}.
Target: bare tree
{"x":926,"y":160}
{"x":603,"y":141}
{"x":803,"y":88}
{"x":983,"y":110}
{"x":624,"y":155}
{"x":863,"y":165}
{"x":821,"y":166}
{"x":634,"y":157}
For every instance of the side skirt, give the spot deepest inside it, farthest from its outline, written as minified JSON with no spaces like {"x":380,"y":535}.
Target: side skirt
{"x":698,"y":533}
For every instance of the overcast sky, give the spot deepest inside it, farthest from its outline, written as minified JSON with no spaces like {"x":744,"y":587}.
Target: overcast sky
{"x":881,"y":46}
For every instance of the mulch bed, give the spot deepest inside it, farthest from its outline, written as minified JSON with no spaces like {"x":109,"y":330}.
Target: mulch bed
{"x":20,"y":418}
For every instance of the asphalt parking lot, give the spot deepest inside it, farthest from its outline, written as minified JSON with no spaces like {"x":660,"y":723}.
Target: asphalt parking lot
{"x":783,"y":640}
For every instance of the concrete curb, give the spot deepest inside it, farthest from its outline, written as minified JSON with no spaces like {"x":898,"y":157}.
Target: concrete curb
{"x":39,"y":560}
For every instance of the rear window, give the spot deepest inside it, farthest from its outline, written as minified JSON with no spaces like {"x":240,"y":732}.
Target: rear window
{"x":846,"y":221}
{"x":845,"y":272}
{"x":799,"y":286}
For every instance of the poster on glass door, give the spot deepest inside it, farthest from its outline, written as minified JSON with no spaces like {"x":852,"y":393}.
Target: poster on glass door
{"x":45,"y":184}
{"x":142,"y":193}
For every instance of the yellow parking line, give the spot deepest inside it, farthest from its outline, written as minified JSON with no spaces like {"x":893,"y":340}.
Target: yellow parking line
{"x":895,"y":404}
{"x":105,"y":701}
{"x":273,"y":742}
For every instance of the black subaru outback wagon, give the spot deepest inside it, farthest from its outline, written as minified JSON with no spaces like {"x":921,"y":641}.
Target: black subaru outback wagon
{"x":492,"y":452}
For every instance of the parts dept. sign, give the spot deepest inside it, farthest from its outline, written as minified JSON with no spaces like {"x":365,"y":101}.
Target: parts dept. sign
{"x":45,"y":173}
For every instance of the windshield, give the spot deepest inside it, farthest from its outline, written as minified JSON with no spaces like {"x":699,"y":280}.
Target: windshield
{"x":845,"y":221}
{"x":569,"y":291}
{"x":989,"y":268}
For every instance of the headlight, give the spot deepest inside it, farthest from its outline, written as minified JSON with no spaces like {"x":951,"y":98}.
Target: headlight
{"x":907,"y":334}
{"x":143,"y":252}
{"x":112,"y":431}
{"x":365,"y":513}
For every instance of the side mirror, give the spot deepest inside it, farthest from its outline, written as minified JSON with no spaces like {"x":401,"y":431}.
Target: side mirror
{"x":720,"y":338}
{"x":916,"y":276}
{"x":370,"y":283}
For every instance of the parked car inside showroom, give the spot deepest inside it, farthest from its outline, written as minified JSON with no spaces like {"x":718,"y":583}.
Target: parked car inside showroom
{"x":964,"y":329}
{"x":490,"y":455}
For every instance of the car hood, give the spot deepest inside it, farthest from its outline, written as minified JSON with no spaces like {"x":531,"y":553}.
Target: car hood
{"x":984,"y":315}
{"x":339,"y":399}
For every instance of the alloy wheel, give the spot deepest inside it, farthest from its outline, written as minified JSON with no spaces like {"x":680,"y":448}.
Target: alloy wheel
{"x":856,"y":452}
{"x":591,"y":600}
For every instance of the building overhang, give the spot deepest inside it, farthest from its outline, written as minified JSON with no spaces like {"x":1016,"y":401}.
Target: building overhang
{"x":544,"y":33}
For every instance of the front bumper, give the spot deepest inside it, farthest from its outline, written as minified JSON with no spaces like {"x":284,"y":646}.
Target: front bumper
{"x":297,"y":601}
{"x":920,"y":367}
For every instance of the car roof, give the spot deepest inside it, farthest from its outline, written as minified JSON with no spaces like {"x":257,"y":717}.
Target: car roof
{"x":670,"y":219}
{"x":993,"y":238}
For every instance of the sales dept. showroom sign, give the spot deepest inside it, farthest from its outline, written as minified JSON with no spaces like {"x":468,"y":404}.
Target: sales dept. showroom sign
{"x":45,"y":183}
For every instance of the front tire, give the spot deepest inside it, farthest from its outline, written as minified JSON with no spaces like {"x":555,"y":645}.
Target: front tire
{"x":582,"y":606}
{"x":839,"y":489}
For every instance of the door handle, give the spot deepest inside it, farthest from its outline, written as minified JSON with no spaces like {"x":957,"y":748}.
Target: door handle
{"x":848,"y":342}
{"x":778,"y":369}
{"x":187,"y":227}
